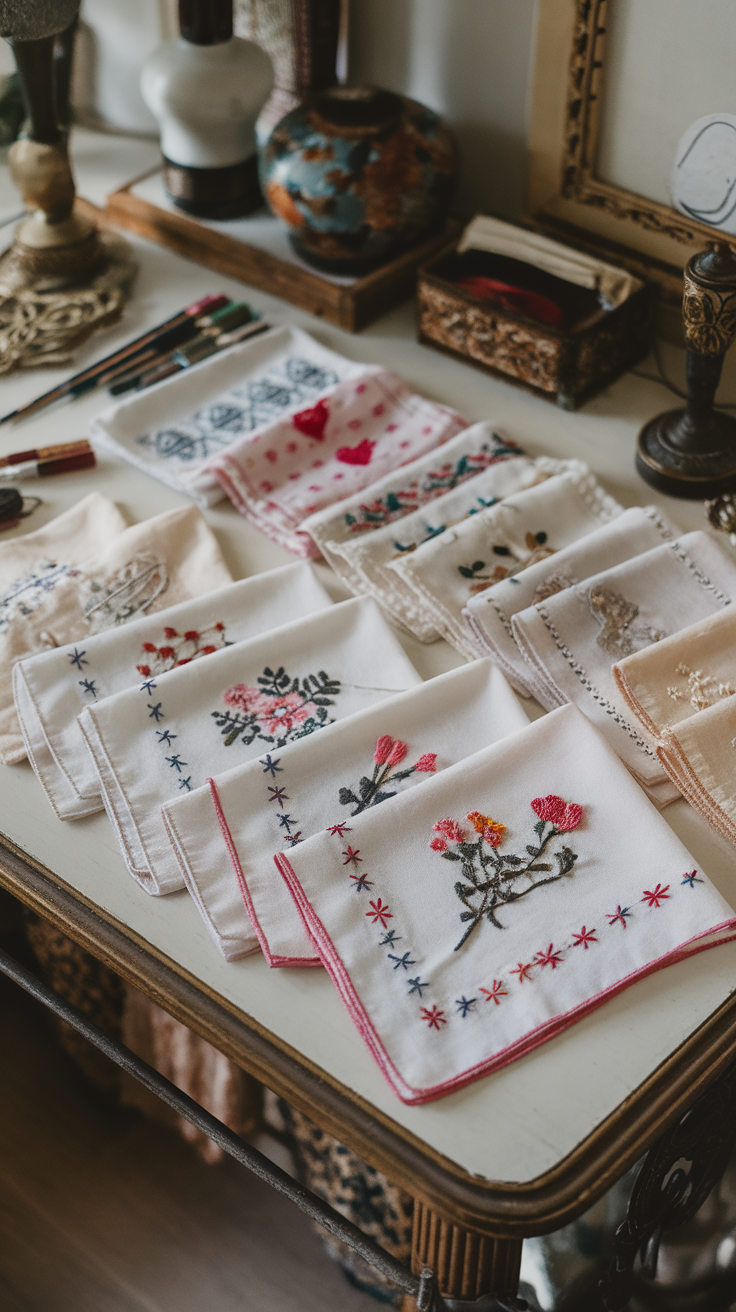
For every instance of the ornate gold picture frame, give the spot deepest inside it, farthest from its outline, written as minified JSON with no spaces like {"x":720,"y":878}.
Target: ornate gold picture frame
{"x":566,"y":197}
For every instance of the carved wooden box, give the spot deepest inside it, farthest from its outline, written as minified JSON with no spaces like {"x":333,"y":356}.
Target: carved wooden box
{"x":567,"y":363}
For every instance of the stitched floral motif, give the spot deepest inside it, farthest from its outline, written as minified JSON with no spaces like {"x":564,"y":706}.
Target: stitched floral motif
{"x":490,"y":878}
{"x":434,"y":1017}
{"x":538,"y":547}
{"x":702,"y":689}
{"x":280,"y":710}
{"x":555,"y":582}
{"x":27,"y":592}
{"x":389,"y":753}
{"x":384,"y":510}
{"x":181,"y":648}
{"x":129,"y":591}
{"x":615,"y":616}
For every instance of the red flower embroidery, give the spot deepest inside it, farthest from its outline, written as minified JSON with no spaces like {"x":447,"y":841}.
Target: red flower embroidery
{"x":549,"y":958}
{"x":427,"y":764}
{"x":192,"y":635}
{"x":654,"y":897}
{"x":219,"y":626}
{"x":434,"y":1017}
{"x":379,"y":913}
{"x":490,"y":829}
{"x":356,"y":455}
{"x":397,"y":753}
{"x":524,"y":972}
{"x":149,"y":646}
{"x":585,"y":937}
{"x":312,"y":421}
{"x":339,"y":830}
{"x":450,"y":829}
{"x":351,"y":857}
{"x":565,"y":816}
{"x":172,"y":633}
{"x":280,"y":714}
{"x":145,"y":670}
{"x":495,"y":992}
{"x":166,"y":653}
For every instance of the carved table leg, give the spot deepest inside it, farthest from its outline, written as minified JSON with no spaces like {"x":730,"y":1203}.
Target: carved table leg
{"x":466,"y":1265}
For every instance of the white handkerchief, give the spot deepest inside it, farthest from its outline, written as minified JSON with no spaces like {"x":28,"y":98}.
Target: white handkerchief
{"x":489,"y":614}
{"x":52,"y":688}
{"x":572,"y":639}
{"x":404,"y":490}
{"x":172,"y":732}
{"x":171,"y":429}
{"x":500,"y":902}
{"x":225,"y":835}
{"x":446,"y":572}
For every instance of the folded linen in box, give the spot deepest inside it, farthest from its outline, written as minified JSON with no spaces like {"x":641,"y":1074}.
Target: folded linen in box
{"x":404,"y":490}
{"x":489,"y":614}
{"x":364,"y":428}
{"x":505,"y":899}
{"x":572,"y":639}
{"x":52,"y":688}
{"x":177,"y":729}
{"x":145,"y":568}
{"x":172,"y":428}
{"x":682,"y":675}
{"x":225,"y":834}
{"x":501,"y":541}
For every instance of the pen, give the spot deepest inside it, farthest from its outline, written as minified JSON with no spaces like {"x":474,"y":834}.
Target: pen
{"x":42,"y":468}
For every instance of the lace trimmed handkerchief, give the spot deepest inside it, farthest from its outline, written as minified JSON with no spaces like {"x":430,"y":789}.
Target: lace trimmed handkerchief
{"x":173,"y":731}
{"x":364,"y":428}
{"x":53,"y":688}
{"x":572,"y":638}
{"x":470,"y":920}
{"x":173,"y":428}
{"x":489,"y":614}
{"x":446,"y":572}
{"x":225,"y":835}
{"x":403,"y":491}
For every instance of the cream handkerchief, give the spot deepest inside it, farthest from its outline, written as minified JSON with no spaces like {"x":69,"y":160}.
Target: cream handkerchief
{"x":147,"y":567}
{"x":32,"y":567}
{"x":699,"y":756}
{"x":225,"y":835}
{"x":447,"y":571}
{"x":572,"y":639}
{"x":52,"y":688}
{"x":172,"y":732}
{"x":681,"y":675}
{"x":413,"y":908}
{"x":403,"y":491}
{"x":171,"y":429}
{"x":489,"y":614}
{"x":364,"y":428}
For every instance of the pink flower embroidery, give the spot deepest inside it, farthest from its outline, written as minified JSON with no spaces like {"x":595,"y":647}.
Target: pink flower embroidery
{"x":383,"y":747}
{"x":427,"y":764}
{"x":281,"y":714}
{"x":397,"y":753}
{"x":549,"y":958}
{"x":450,"y":829}
{"x":495,"y":992}
{"x":656,"y":896}
{"x":565,"y":816}
{"x":436,"y":844}
{"x":584,"y":938}
{"x":244,"y":698}
{"x":379,"y":913}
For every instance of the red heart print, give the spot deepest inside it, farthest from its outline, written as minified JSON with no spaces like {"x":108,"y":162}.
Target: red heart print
{"x":312,"y":421}
{"x":356,"y":455}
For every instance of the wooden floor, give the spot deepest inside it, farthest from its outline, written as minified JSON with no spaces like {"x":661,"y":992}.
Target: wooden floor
{"x":102,"y":1211}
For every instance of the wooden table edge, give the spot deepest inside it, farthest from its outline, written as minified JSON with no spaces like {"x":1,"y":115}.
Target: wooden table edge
{"x":495,"y":1208}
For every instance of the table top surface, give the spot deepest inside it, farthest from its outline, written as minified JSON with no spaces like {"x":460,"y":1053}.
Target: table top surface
{"x":548,"y":1102}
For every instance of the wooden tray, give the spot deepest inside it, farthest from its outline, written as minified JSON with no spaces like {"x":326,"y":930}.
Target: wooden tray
{"x":349,"y":303}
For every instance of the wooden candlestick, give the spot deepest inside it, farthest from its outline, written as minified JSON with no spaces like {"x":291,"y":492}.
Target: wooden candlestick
{"x":691,"y":452}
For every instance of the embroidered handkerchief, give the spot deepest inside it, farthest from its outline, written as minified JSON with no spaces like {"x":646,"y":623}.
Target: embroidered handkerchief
{"x":681,"y":675}
{"x":572,"y":639}
{"x":174,"y":427}
{"x":32,"y":567}
{"x":699,"y":755}
{"x":225,"y":835}
{"x":173,"y":731}
{"x":530,"y":526}
{"x":404,"y":490}
{"x":363,"y":429}
{"x":489,"y":614}
{"x":502,"y":901}
{"x":52,"y":688}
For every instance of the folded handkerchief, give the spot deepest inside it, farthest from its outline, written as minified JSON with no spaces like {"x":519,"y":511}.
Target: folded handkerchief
{"x":32,"y":567}
{"x":363,"y":429}
{"x":225,"y":835}
{"x":445,"y":572}
{"x":572,"y":639}
{"x":171,"y":429}
{"x":413,"y":909}
{"x":681,"y":675}
{"x":172,"y":732}
{"x":403,"y":491}
{"x":489,"y":614}
{"x":699,"y":755}
{"x":52,"y":688}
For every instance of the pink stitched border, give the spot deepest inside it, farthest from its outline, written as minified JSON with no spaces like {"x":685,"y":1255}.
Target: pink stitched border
{"x":340,"y":977}
{"x":245,"y":891}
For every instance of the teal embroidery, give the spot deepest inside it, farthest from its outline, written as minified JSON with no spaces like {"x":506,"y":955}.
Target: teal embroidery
{"x":176,"y":763}
{"x":280,"y":710}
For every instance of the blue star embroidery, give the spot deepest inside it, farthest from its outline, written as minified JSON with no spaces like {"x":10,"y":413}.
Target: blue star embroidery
{"x":285,"y":821}
{"x":401,"y":961}
{"x":464,"y":1004}
{"x":417,"y":985}
{"x":278,"y":795}
{"x":362,"y":883}
{"x":186,"y":783}
{"x":176,"y":763}
{"x":76,"y":658}
{"x":271,"y":767}
{"x":390,"y":938}
{"x":89,"y":686}
{"x":692,"y":879}
{"x":166,"y":736}
{"x":156,"y":712}
{"x":148,"y":685}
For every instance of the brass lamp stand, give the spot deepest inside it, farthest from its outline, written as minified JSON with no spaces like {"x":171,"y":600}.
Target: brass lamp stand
{"x":692,"y":452}
{"x":62,"y":278}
